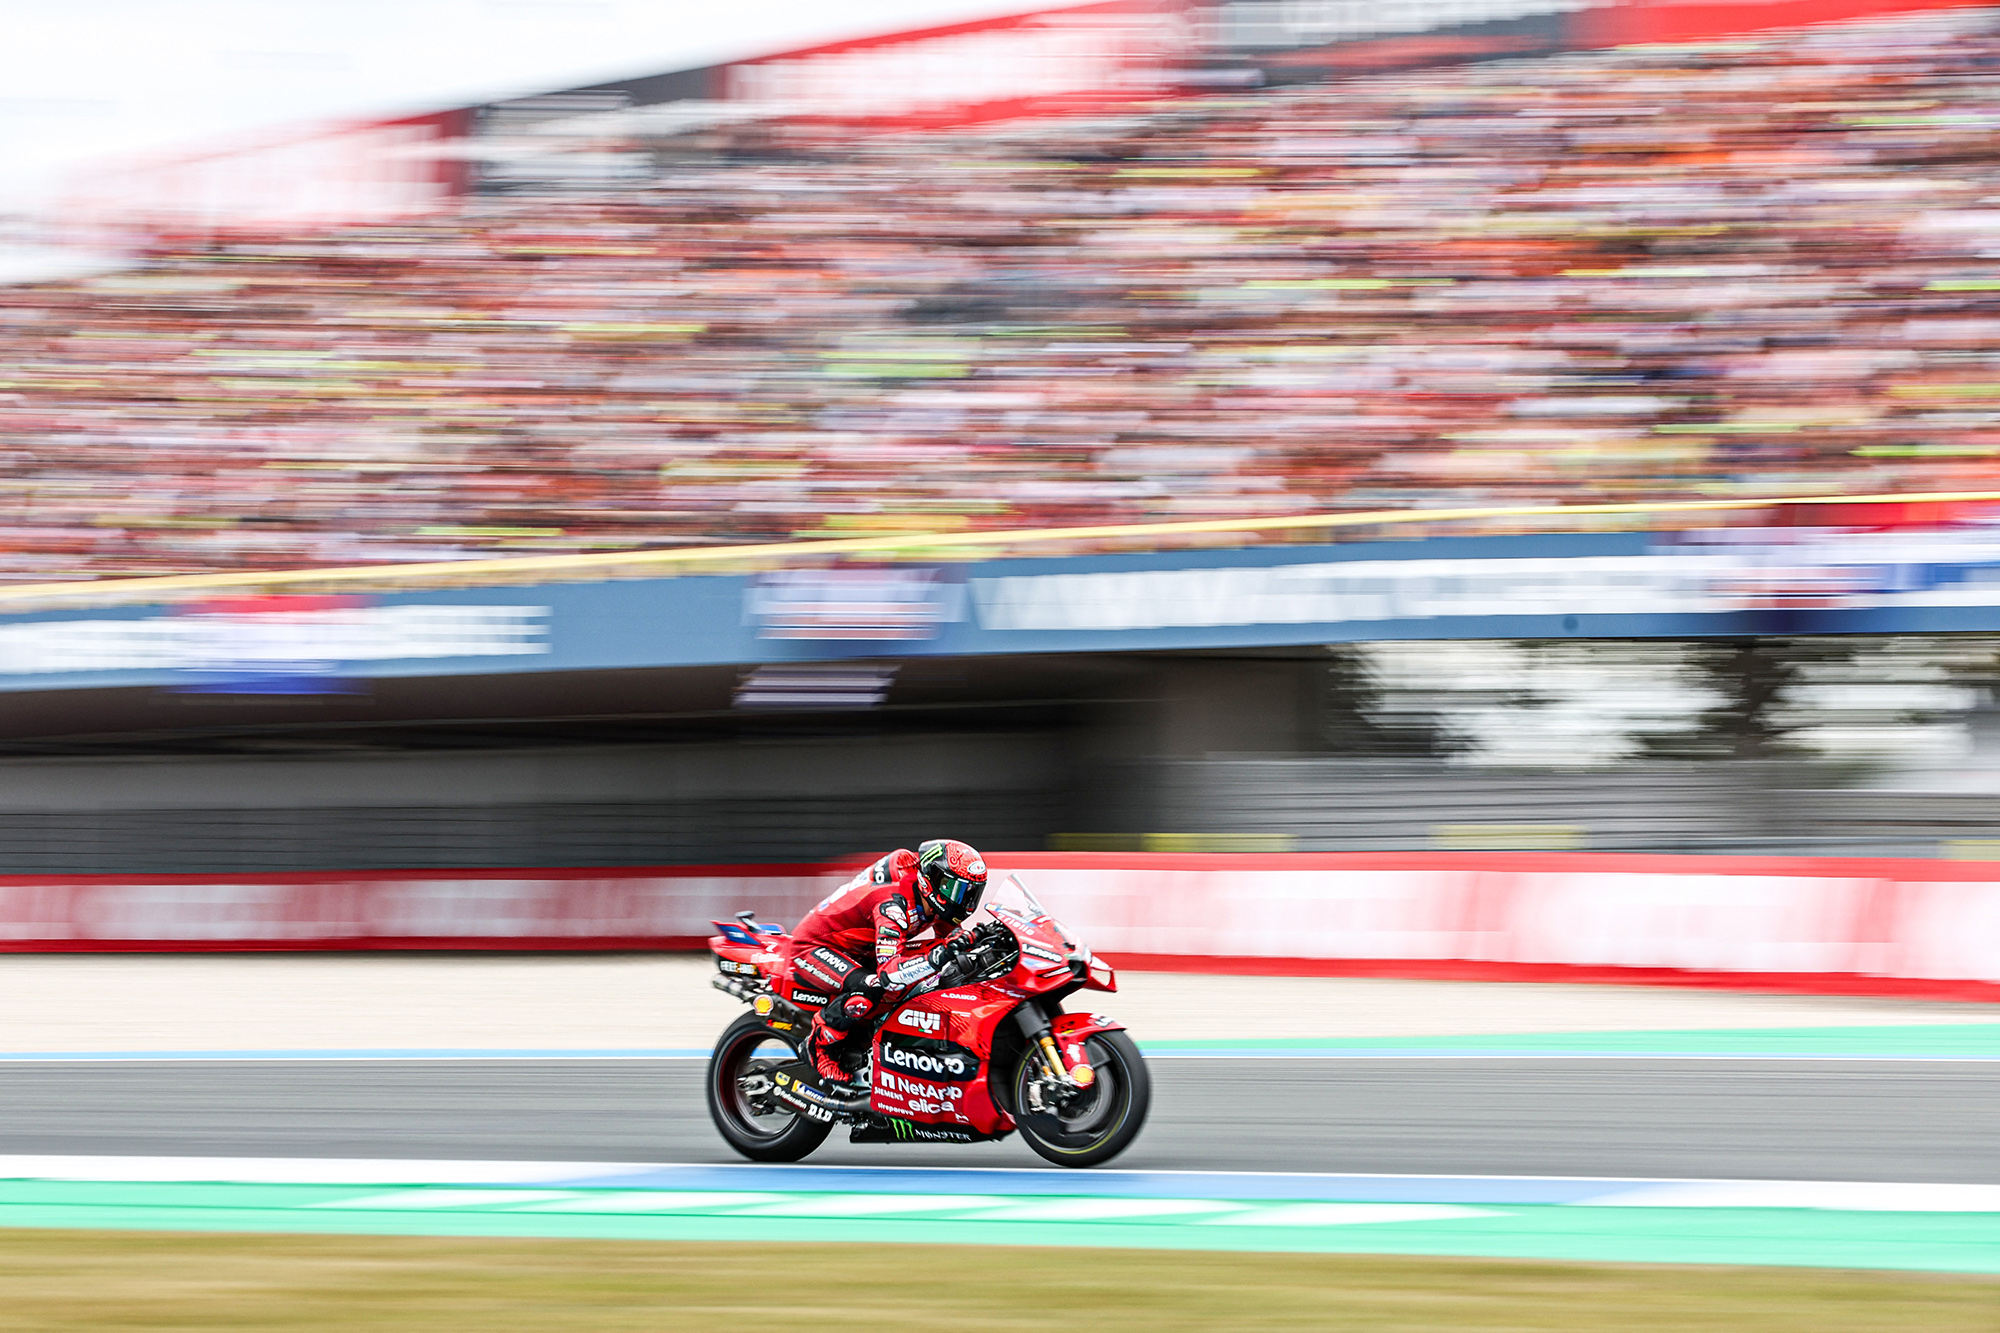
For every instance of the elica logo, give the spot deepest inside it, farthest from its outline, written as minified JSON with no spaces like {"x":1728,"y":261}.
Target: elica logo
{"x":920,"y":1020}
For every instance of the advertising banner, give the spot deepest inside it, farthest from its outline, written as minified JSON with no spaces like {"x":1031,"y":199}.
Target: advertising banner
{"x":896,"y":604}
{"x":1636,"y":22}
{"x":468,"y":909}
{"x":334,"y":175}
{"x":1050,"y":61}
{"x":1294,"y":41}
{"x":1622,"y":585}
{"x":1775,"y":923}
{"x":1784,"y":923}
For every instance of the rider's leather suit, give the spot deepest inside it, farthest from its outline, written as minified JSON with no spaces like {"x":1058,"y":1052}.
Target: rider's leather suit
{"x":854,"y":949}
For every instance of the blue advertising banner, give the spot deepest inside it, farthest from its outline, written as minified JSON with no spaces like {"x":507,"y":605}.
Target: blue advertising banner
{"x":1635,"y":585}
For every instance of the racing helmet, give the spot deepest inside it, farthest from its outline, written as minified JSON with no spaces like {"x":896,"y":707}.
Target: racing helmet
{"x":950,"y":878}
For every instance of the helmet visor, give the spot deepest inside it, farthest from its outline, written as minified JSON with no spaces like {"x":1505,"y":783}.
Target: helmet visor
{"x":958,"y":895}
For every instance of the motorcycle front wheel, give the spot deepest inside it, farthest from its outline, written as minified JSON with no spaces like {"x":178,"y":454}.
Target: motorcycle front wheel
{"x":1092,"y":1125}
{"x":752,"y":1121}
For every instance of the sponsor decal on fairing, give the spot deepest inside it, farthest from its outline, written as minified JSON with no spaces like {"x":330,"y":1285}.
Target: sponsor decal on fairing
{"x":921,"y":1020}
{"x":929,"y":1057}
{"x":910,"y":1087}
{"x":904,"y":1129}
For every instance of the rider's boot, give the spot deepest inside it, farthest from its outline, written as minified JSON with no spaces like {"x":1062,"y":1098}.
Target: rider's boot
{"x":826,"y":1067}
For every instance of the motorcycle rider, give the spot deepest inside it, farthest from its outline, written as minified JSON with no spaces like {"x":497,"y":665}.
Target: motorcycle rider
{"x":855,"y":947}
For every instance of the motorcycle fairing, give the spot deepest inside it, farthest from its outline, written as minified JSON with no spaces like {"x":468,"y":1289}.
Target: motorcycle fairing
{"x":914,"y":1049}
{"x":905,"y":1131}
{"x":1070,"y":1030}
{"x":767,"y":954}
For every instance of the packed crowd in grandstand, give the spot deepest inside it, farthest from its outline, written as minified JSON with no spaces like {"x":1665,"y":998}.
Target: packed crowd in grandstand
{"x":1757,"y":267}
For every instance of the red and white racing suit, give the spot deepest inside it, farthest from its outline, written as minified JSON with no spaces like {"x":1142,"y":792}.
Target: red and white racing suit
{"x":854,"y":949}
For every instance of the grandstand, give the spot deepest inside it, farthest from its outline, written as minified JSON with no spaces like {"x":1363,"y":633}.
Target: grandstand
{"x":1759,"y":267}
{"x":539,"y":478}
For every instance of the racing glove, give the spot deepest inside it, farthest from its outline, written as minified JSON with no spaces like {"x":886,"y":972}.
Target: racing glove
{"x":951,"y":948}
{"x":950,"y":958}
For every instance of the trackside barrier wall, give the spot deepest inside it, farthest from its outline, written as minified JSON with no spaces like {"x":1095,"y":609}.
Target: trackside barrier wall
{"x":1870,"y":926}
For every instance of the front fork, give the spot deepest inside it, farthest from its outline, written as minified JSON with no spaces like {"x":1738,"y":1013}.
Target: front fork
{"x":1038,"y":1027}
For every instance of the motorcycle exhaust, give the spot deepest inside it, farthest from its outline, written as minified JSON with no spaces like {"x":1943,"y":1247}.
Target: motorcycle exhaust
{"x":742,"y":990}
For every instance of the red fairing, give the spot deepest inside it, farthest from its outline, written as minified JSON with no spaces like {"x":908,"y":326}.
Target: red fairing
{"x":1075,"y":1027}
{"x":1070,"y":1030}
{"x":739,"y":953}
{"x":934,"y":1053}
{"x":767,"y":960}
{"x":933,"y":1059}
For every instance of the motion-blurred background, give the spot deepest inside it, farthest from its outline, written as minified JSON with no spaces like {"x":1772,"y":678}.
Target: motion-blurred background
{"x":1024,"y":282}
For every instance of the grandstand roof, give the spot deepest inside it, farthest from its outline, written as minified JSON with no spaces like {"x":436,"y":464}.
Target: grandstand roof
{"x":169,"y":77}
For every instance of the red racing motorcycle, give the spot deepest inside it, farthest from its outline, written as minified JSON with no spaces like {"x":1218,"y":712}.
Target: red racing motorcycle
{"x":971,"y":1056}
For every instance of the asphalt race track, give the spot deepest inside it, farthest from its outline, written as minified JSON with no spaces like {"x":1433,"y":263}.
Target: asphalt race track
{"x":1920,"y":1121}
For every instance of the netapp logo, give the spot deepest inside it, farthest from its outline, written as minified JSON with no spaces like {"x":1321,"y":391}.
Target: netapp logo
{"x":908,"y":1087}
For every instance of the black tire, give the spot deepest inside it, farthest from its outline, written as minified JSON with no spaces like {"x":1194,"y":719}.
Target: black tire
{"x":1096,"y":1125}
{"x":781,"y":1136}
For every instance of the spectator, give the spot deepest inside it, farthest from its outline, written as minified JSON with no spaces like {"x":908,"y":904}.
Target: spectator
{"x":1756,"y":268}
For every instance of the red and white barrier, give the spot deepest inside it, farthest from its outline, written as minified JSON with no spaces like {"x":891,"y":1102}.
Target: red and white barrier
{"x":1873,"y":926}
{"x":411,"y":909}
{"x":1870,"y":926}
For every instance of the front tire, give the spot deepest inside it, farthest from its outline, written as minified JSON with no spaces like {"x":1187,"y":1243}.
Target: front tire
{"x":757,"y":1126}
{"x":1093,"y":1126}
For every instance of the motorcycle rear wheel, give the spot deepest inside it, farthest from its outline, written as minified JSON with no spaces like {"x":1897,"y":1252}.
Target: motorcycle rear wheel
{"x":1093,"y":1126}
{"x":784,"y":1136}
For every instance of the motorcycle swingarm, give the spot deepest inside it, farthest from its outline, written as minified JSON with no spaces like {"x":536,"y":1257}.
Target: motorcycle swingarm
{"x":793,"y":1085}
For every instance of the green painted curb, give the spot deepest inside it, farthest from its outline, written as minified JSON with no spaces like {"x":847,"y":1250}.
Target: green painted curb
{"x":1935,"y":1242}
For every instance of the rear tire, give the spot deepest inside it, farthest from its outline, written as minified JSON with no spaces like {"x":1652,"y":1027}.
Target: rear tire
{"x":1097,"y":1124}
{"x":783,"y":1135}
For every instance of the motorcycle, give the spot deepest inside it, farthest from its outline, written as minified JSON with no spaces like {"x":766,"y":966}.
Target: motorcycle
{"x":980,"y":1050}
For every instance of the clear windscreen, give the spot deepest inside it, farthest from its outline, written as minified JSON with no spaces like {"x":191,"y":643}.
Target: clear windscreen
{"x":1011,"y":900}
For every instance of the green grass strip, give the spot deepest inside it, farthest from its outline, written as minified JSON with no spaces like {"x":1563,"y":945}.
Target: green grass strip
{"x":91,"y":1281}
{"x":1934,"y":1242}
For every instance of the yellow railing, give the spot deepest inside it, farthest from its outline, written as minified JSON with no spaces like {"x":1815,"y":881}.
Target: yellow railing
{"x":696,"y":559}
